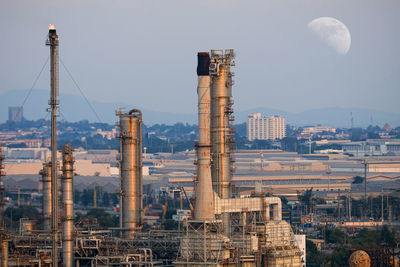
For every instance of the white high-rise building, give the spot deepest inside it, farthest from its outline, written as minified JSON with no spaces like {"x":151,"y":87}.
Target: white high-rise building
{"x":277,"y":127}
{"x":263,"y":128}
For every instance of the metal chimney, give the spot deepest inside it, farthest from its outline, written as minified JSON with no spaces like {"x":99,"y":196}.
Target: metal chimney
{"x":130,"y":135}
{"x":4,"y":251}
{"x":221,"y":94}
{"x":2,"y":193}
{"x":3,"y":234}
{"x":204,"y":209}
{"x":52,"y":41}
{"x":68,"y":206}
{"x":46,"y":202}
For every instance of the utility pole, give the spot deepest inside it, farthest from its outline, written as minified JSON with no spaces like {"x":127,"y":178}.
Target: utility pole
{"x":52,"y":41}
{"x":382,"y":206}
{"x":365,"y":162}
{"x":262,"y":160}
{"x":328,"y":172}
{"x":350,"y":206}
{"x":94,"y":198}
{"x":339,"y":211}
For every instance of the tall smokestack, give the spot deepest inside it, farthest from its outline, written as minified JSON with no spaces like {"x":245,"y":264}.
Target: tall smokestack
{"x":130,"y":125}
{"x":204,"y":209}
{"x":68,"y":206}
{"x":4,"y":251}
{"x":52,"y":41}
{"x":2,"y":193}
{"x":3,"y":234}
{"x":46,"y":202}
{"x":221,"y":93}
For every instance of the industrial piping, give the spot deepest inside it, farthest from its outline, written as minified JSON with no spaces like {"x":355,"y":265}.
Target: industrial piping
{"x":46,"y":202}
{"x":221,"y":103}
{"x":68,"y":206}
{"x":130,"y":135}
{"x":204,"y":209}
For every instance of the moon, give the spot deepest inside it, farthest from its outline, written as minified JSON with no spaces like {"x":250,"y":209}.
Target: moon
{"x":332,"y":32}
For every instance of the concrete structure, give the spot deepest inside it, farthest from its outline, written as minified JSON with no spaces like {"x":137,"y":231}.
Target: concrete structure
{"x":301,"y":242}
{"x":277,"y":127}
{"x":262,"y":128}
{"x":130,"y":134}
{"x":15,"y":114}
{"x":204,"y":193}
{"x":257,"y":127}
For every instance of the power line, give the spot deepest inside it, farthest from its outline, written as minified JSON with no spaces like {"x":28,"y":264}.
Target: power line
{"x":80,"y":90}
{"x":77,"y":134}
{"x":34,"y":83}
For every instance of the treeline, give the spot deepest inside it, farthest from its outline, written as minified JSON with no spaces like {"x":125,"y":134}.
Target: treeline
{"x":341,"y":244}
{"x":87,"y":198}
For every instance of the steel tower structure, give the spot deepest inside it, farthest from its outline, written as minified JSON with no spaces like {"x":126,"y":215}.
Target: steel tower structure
{"x":52,"y":41}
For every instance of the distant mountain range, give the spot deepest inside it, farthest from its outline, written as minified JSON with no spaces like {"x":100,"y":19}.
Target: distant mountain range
{"x":75,"y":108}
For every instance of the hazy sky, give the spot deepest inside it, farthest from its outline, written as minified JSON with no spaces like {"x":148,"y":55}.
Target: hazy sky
{"x":143,"y":53}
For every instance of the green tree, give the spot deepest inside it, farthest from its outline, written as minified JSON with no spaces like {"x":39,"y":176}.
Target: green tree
{"x":314,"y":256}
{"x":387,"y":237}
{"x":340,"y":257}
{"x":115,"y":199}
{"x":366,"y":238}
{"x":358,"y":180}
{"x":103,"y":218}
{"x":335,"y":236}
{"x":13,"y":215}
{"x":306,"y":199}
{"x":356,"y":134}
{"x":87,"y":197}
{"x":105,"y":199}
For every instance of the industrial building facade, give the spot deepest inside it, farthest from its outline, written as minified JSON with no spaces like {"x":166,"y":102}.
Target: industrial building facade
{"x":262,"y":128}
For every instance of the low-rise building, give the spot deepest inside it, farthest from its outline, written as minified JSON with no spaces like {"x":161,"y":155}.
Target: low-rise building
{"x":373,"y":147}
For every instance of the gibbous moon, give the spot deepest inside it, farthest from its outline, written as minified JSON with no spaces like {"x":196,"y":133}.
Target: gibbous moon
{"x":333,"y":32}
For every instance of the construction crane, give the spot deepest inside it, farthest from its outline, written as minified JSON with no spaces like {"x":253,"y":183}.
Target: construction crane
{"x":165,"y":209}
{"x":187,"y":199}
{"x":144,"y":210}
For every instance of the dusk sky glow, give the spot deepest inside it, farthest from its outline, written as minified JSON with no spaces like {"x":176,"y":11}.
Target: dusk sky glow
{"x":143,"y":53}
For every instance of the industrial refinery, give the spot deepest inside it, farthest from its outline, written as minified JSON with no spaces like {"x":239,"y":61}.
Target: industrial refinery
{"x":224,"y":230}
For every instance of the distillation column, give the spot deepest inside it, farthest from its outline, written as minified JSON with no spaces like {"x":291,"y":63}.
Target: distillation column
{"x":221,"y":94}
{"x":3,"y":235}
{"x":204,"y":209}
{"x":2,"y":193}
{"x":68,"y":206}
{"x":52,"y":41}
{"x":46,"y":202}
{"x":4,"y":252}
{"x":130,"y":135}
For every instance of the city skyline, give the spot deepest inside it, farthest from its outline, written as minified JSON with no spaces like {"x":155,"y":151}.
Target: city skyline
{"x":146,"y":58}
